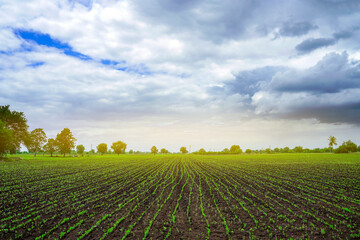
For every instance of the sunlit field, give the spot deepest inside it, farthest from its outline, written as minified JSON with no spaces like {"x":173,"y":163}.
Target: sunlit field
{"x":185,"y":196}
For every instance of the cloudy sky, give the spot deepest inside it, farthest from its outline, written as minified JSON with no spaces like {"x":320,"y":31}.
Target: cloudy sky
{"x":178,"y":73}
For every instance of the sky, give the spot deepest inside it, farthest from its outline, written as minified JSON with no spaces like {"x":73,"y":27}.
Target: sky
{"x":200,"y":74}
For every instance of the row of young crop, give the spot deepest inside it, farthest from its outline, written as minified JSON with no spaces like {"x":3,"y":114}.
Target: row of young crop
{"x":71,"y":198}
{"x":284,"y":202}
{"x":178,"y":195}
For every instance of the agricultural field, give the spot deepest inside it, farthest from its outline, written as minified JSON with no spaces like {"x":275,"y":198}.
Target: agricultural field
{"x":267,"y":196}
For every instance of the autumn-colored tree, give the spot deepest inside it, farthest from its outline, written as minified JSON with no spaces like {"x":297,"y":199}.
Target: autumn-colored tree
{"x":65,"y":141}
{"x":102,"y":148}
{"x":119,"y":147}
{"x":35,"y":140}
{"x":154,"y":150}
{"x":80,"y":149}
{"x":50,"y":146}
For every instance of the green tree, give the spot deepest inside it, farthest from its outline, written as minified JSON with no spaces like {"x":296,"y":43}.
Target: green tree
{"x":80,"y":149}
{"x":286,"y":149}
{"x":332,"y":142}
{"x":35,"y":140}
{"x":154,"y":150}
{"x":248,"y":151}
{"x":119,"y":147}
{"x":298,"y":149}
{"x":5,"y":139}
{"x":276,"y":150}
{"x":15,"y":121}
{"x":346,"y":147}
{"x":131,"y":151}
{"x":183,"y":150}
{"x":102,"y":148}
{"x":65,"y":141}
{"x":225,"y":151}
{"x":50,"y":146}
{"x":235,"y":149}
{"x":268,"y":150}
{"x":202,"y":151}
{"x":163,"y":150}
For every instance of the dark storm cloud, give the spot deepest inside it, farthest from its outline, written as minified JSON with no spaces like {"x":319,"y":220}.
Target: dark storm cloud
{"x":312,"y":44}
{"x":327,"y":91}
{"x":250,"y":82}
{"x":294,"y":29}
{"x":335,"y":72}
{"x":343,"y":113}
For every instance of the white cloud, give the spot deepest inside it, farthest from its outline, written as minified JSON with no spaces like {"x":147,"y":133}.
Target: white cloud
{"x":186,"y":48}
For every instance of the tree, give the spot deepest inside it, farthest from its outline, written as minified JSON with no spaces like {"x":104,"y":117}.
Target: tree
{"x":5,"y":139}
{"x":202,"y":151}
{"x":35,"y":140}
{"x":183,"y":150}
{"x":235,"y":149}
{"x":286,"y":149}
{"x":163,"y":150}
{"x":276,"y":150}
{"x":358,"y":149}
{"x":80,"y":149}
{"x":154,"y":150}
{"x":119,"y":147}
{"x":15,"y":121}
{"x":346,"y":147}
{"x":298,"y":149}
{"x":131,"y":151}
{"x":50,"y":146}
{"x":225,"y":151}
{"x":102,"y":148}
{"x":92,"y":151}
{"x":268,"y":150}
{"x":65,"y":141}
{"x":332,"y":142}
{"x":248,"y":151}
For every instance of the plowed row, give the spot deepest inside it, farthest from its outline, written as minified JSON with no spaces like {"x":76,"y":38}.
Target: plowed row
{"x":181,"y":196}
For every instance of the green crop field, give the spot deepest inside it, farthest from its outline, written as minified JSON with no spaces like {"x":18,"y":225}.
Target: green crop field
{"x":186,"y":196}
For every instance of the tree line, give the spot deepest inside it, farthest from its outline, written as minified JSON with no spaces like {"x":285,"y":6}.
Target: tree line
{"x":14,"y":132}
{"x":345,"y":147}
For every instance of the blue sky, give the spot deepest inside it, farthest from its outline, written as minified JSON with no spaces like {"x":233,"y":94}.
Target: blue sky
{"x":169,"y":73}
